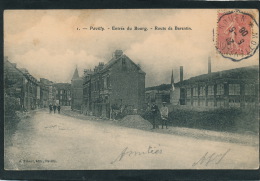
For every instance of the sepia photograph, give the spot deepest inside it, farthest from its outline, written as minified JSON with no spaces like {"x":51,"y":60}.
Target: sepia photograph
{"x":131,"y":89}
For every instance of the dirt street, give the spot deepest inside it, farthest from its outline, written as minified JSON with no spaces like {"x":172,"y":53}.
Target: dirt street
{"x":58,"y":142}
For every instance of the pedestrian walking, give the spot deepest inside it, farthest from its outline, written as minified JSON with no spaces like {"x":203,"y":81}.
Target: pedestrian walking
{"x":54,"y":108}
{"x":155,"y":112}
{"x":58,"y":109}
{"x":50,"y":108}
{"x":164,"y":115}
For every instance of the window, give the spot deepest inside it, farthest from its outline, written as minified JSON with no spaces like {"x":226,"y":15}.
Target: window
{"x":60,"y":91}
{"x":195,"y":102}
{"x":188,"y":92}
{"x":202,"y":91}
{"x":85,"y":91}
{"x":195,"y":91}
{"x":234,"y":89}
{"x":249,"y":89}
{"x":18,"y":89}
{"x":98,"y":87}
{"x":210,"y":103}
{"x":189,"y":102}
{"x":93,"y":86}
{"x":220,"y":103}
{"x":250,"y":102}
{"x":102,"y":83}
{"x":220,"y":89}
{"x":211,"y":90}
{"x":202,"y":103}
{"x":234,"y":103}
{"x":105,"y":82}
{"x":108,"y":81}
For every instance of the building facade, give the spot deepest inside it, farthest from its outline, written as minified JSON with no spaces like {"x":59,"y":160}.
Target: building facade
{"x":20,"y":84}
{"x":44,"y":92}
{"x":157,"y":96}
{"x":76,"y":91}
{"x":230,"y":88}
{"x":119,"y":84}
{"x":62,"y":94}
{"x":48,"y":90}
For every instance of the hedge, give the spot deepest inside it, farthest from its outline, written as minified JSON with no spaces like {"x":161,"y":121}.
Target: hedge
{"x":220,"y":119}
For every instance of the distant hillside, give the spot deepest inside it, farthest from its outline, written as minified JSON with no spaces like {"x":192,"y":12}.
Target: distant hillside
{"x":159,"y":87}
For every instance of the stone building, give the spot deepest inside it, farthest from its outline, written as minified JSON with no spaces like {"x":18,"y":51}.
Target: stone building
{"x":119,"y":84}
{"x":76,"y":91}
{"x":62,"y":94}
{"x":20,"y":84}
{"x":229,"y":88}
{"x":51,"y":90}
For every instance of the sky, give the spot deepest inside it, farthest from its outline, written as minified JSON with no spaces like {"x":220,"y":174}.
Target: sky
{"x":49,"y":45}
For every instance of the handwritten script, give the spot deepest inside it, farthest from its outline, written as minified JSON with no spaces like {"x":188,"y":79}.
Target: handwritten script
{"x":130,"y":153}
{"x":213,"y":158}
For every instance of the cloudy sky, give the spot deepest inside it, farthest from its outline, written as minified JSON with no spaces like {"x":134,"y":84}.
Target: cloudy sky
{"x":48,"y":44}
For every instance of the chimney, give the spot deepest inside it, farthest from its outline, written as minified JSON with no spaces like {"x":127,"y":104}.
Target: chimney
{"x":118,"y":53}
{"x":95,"y":69}
{"x":181,"y":73}
{"x":101,"y":65}
{"x":209,"y":65}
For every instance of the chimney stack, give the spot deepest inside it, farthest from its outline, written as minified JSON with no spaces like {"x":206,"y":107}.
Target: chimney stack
{"x":100,"y":65}
{"x":209,"y":65}
{"x":118,"y":53}
{"x":181,"y":73}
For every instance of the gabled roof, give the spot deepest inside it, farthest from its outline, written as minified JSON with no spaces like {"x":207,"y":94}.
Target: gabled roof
{"x":111,"y":62}
{"x":115,"y":60}
{"x":22,"y":71}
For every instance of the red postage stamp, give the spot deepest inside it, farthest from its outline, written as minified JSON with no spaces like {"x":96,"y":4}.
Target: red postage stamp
{"x":237,"y":35}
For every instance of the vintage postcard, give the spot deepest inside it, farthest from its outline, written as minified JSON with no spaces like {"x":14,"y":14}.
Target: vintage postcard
{"x":131,"y":89}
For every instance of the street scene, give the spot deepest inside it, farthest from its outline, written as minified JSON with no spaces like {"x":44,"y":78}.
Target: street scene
{"x":106,"y":93}
{"x":77,"y":144}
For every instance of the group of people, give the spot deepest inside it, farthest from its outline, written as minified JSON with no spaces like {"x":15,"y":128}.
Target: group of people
{"x":159,"y":114}
{"x":54,"y":108}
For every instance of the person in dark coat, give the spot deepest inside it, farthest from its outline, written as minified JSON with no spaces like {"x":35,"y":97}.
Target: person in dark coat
{"x":58,"y":107}
{"x":54,"y":108}
{"x":155,"y":112}
{"x":50,"y":108}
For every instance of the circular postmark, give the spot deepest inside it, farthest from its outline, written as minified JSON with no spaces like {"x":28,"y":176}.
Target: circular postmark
{"x":237,"y":35}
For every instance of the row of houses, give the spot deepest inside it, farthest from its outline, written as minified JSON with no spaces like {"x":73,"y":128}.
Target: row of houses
{"x":31,"y":93}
